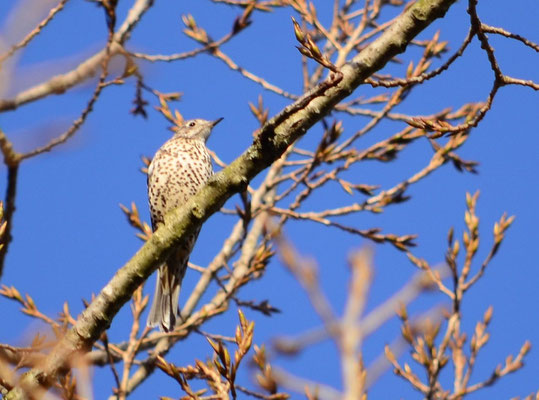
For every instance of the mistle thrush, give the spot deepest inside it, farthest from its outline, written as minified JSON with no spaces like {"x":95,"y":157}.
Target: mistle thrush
{"x":179,"y":169}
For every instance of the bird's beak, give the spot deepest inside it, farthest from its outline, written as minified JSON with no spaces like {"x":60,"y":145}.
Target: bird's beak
{"x":216,"y":121}
{"x":211,"y":124}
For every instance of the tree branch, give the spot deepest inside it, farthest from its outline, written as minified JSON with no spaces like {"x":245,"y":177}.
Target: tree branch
{"x":273,"y":139}
{"x":11,"y":191}
{"x":60,"y":83}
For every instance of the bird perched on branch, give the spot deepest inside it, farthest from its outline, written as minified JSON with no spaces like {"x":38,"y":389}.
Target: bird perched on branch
{"x":179,"y":169}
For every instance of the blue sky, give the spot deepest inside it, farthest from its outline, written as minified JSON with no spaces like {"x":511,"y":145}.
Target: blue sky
{"x":70,"y":235}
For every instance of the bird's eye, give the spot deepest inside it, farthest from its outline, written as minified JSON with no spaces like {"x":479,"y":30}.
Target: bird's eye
{"x":192,"y":123}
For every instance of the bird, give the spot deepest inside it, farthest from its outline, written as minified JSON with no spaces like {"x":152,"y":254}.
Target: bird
{"x":179,"y":169}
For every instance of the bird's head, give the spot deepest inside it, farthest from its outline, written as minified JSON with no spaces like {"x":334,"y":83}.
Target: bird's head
{"x":196,"y":129}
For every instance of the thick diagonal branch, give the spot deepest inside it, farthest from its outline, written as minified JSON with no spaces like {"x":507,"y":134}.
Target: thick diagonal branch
{"x":272,"y":140}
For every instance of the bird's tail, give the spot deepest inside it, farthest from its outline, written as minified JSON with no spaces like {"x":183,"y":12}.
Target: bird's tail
{"x":165,"y":301}
{"x":167,"y":288}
